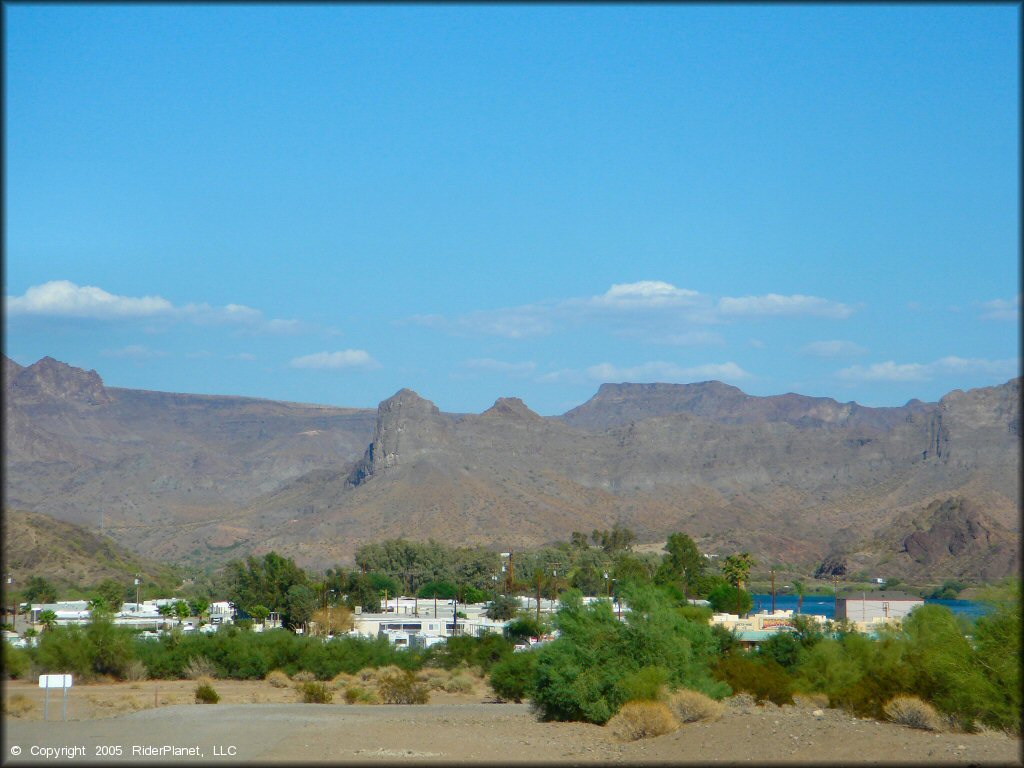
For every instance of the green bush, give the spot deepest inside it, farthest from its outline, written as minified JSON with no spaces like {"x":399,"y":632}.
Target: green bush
{"x":513,"y":678}
{"x":316,"y":693}
{"x":16,"y":662}
{"x":725,"y":598}
{"x":646,"y":684}
{"x":98,"y":648}
{"x":205,"y":694}
{"x":763,"y":678}
{"x":580,"y":675}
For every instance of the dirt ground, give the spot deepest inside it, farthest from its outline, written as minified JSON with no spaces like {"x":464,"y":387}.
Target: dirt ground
{"x":255,"y":721}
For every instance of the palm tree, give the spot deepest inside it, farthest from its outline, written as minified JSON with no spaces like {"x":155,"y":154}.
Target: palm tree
{"x":48,"y":619}
{"x":801,"y":589}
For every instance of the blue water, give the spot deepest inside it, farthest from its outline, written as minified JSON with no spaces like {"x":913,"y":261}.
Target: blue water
{"x":824,"y":605}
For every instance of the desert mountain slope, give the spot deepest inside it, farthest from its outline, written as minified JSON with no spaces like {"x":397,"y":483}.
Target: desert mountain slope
{"x":790,"y":478}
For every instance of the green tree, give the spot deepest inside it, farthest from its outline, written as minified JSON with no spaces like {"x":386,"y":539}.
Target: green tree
{"x":199,"y":607}
{"x":166,"y":611}
{"x":736,"y":569}
{"x":110,"y":593}
{"x":726,"y":598}
{"x":181,"y":610}
{"x":683,"y":564}
{"x":39,"y":590}
{"x":502,"y":608}
{"x":301,"y":604}
{"x":263,"y":581}
{"x":259,"y":613}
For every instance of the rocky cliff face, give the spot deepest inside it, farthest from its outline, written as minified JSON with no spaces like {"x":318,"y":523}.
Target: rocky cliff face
{"x":49,"y":380}
{"x":408,"y":429}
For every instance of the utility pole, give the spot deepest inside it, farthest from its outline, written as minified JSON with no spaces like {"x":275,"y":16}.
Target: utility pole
{"x":835,"y":587}
{"x":539,"y":573}
{"x":773,"y":590}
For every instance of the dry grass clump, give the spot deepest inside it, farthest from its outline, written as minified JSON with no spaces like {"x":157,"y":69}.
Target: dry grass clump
{"x":433,"y":677}
{"x":913,"y":713}
{"x":304,"y":677}
{"x":199,"y":667}
{"x":18,"y":704}
{"x":642,"y":720}
{"x":459,"y":683}
{"x":344,"y":679}
{"x":811,"y":700}
{"x":692,"y":706}
{"x":278,"y":679}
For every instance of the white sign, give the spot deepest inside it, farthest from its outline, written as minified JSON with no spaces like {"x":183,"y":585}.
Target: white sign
{"x":55,"y":681}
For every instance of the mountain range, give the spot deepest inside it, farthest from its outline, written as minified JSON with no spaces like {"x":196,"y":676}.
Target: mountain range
{"x":925,"y":489}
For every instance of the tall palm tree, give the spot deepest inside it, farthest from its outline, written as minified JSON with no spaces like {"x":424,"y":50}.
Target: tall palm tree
{"x":801,"y":589}
{"x":48,"y":619}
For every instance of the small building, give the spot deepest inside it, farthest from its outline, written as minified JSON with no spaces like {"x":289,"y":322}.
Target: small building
{"x":872,"y":607}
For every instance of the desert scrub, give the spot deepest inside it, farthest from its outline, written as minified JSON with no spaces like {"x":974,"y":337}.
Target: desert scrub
{"x":17,"y":705}
{"x":313,"y":692}
{"x":205,"y":694}
{"x":278,"y":679}
{"x":199,"y":667}
{"x":513,"y":678}
{"x":642,"y":720}
{"x":433,"y":677}
{"x":692,"y":706}
{"x":356,"y":694}
{"x":135,"y":671}
{"x":303,"y":677}
{"x":401,"y":688}
{"x":913,"y":713}
{"x":458,"y":683}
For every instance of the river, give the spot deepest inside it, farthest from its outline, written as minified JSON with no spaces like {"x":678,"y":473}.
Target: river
{"x":824,"y":605}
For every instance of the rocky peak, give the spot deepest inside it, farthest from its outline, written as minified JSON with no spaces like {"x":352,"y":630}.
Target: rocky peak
{"x":11,"y":369}
{"x":49,"y":379}
{"x":408,"y":428}
{"x":512,"y":408}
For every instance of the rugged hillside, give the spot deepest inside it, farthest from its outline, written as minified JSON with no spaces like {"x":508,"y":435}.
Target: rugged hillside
{"x":67,"y":554}
{"x":85,"y":452}
{"x":790,"y":478}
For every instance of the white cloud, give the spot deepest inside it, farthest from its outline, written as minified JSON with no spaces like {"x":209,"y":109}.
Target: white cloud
{"x":1000,"y":309}
{"x":774,"y":305}
{"x":62,"y":298}
{"x":645,"y":294}
{"x":134,"y":352}
{"x":896,"y":372}
{"x":656,"y":371}
{"x":346,"y":359}
{"x":244,"y":356}
{"x":489,"y":365}
{"x":65,"y":299}
{"x":642,"y":309}
{"x":833,"y":348}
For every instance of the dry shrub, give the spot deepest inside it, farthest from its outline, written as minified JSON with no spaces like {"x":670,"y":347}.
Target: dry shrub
{"x":642,"y":720}
{"x":316,"y":693}
{"x":277,"y":678}
{"x":811,"y":700}
{"x":458,"y":683}
{"x":741,"y":700}
{"x":691,"y":706}
{"x":343,"y":679}
{"x":135,"y":671}
{"x":259,"y":698}
{"x":199,"y":667}
{"x":433,"y":677}
{"x":914,"y":713}
{"x":304,"y":677}
{"x":401,"y":688}
{"x":18,"y":704}
{"x":381,"y":673}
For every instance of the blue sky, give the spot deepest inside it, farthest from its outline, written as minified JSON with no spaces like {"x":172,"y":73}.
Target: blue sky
{"x":327,"y":203}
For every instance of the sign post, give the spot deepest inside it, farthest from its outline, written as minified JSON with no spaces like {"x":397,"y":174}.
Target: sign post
{"x":54,"y":681}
